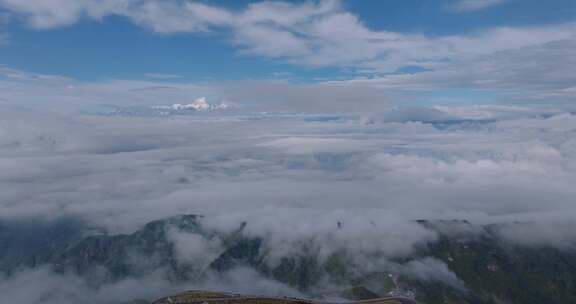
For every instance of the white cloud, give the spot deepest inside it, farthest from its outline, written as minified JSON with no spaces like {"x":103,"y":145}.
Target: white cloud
{"x":430,"y":269}
{"x":53,"y":13}
{"x":301,"y":33}
{"x":176,"y":17}
{"x":53,"y":288}
{"x":361,"y":234}
{"x":555,"y":233}
{"x":475,"y":5}
{"x":527,"y":74}
{"x":195,"y":250}
{"x":307,"y":145}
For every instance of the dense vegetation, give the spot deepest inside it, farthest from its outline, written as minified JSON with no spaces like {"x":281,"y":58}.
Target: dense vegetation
{"x":491,"y":271}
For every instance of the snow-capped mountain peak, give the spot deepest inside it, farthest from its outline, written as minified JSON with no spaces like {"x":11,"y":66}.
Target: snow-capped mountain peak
{"x":198,"y":105}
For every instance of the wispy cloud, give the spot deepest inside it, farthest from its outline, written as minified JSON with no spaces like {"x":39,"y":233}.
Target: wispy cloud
{"x":547,"y":79}
{"x":162,"y":76}
{"x":475,"y":5}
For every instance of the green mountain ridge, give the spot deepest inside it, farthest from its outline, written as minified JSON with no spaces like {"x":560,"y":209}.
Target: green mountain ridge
{"x":479,"y":267}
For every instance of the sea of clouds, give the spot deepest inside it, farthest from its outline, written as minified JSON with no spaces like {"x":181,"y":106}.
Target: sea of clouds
{"x":292,"y":179}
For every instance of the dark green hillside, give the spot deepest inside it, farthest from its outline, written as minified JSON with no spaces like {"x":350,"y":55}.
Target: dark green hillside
{"x":490,"y":271}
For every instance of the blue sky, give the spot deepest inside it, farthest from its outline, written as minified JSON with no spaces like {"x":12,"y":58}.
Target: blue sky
{"x":114,"y":47}
{"x":380,"y":44}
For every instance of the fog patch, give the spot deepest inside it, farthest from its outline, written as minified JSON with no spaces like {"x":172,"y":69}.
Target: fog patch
{"x":195,"y":250}
{"x":43,"y":286}
{"x":430,"y":269}
{"x":557,"y":234}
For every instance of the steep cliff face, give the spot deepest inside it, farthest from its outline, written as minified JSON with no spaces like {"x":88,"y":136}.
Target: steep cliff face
{"x":477,"y":268}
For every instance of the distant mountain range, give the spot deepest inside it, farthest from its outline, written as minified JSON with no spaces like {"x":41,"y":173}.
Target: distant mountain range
{"x":486,"y":269}
{"x":197,"y":106}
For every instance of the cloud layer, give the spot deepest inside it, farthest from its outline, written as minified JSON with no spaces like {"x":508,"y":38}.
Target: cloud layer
{"x":294,"y":180}
{"x":481,"y":161}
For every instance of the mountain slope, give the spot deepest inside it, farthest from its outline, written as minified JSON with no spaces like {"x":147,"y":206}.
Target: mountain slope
{"x":478,"y":268}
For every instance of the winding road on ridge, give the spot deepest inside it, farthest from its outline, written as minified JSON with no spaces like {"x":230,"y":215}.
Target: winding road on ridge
{"x":213,"y":298}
